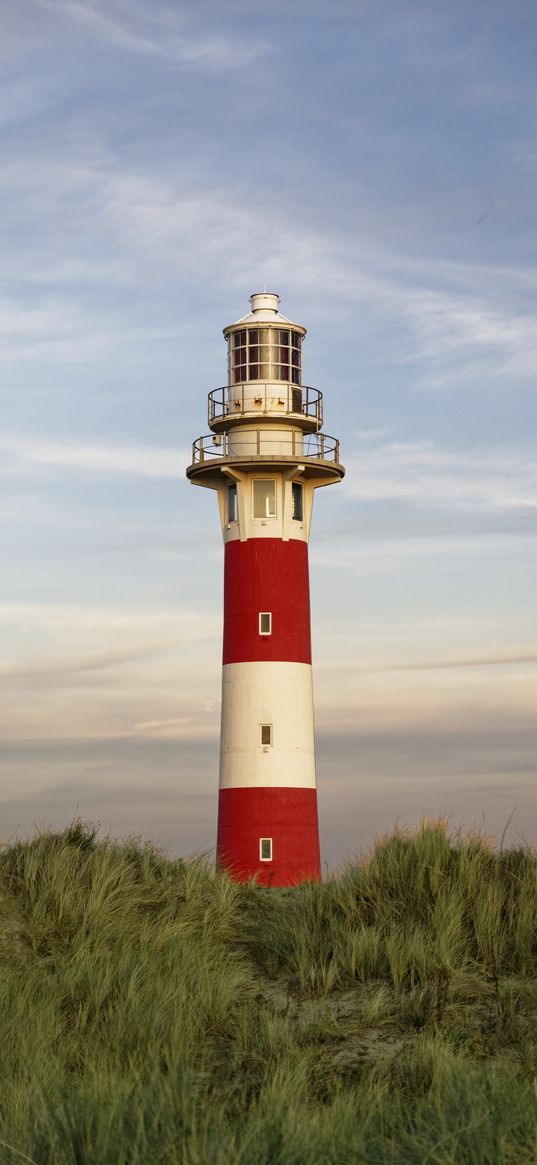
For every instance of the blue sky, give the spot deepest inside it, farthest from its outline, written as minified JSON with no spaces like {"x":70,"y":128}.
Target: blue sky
{"x":375,"y":164}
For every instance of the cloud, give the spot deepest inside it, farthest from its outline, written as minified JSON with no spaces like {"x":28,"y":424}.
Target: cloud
{"x":155,"y":32}
{"x":23,"y":456}
{"x":47,"y":674}
{"x":171,"y":722}
{"x":368,"y":779}
{"x":57,"y":330}
{"x":472,"y":333}
{"x":423,"y":475}
{"x":111,"y":222}
{"x":427,"y":475}
{"x":507,"y":660}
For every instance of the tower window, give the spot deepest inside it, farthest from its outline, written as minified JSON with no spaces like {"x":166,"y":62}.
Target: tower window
{"x":264,"y":499}
{"x":265,"y":849}
{"x":296,"y":400}
{"x":265,"y":622}
{"x":232,"y":503}
{"x":265,"y":734}
{"x":298,"y":507}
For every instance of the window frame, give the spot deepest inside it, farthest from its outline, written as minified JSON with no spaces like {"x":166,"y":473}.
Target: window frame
{"x":264,"y":517}
{"x":267,"y":614}
{"x":266,"y":743}
{"x":232,"y":509}
{"x":262,"y":858}
{"x":297,"y":489}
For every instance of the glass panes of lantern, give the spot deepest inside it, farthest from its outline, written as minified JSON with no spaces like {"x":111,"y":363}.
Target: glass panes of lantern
{"x":295,"y":357}
{"x":238,"y":357}
{"x":258,"y":354}
{"x":265,"y":354}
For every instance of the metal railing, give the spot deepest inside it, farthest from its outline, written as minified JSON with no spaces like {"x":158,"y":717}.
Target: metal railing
{"x":273,"y":444}
{"x":256,"y":397}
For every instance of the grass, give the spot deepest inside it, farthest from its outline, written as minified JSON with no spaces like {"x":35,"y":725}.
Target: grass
{"x":152,"y":1012}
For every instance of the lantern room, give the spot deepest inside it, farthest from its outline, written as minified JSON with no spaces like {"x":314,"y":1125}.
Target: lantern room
{"x":265,"y":365}
{"x":265,"y":354}
{"x":264,"y":345}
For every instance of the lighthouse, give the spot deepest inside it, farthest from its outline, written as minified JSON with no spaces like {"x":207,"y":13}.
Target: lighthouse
{"x":265,"y":455}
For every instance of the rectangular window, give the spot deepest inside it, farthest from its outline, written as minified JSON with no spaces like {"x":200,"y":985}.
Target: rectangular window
{"x":239,"y":357}
{"x":265,"y":734}
{"x":264,"y":499}
{"x":232,"y":503}
{"x":298,"y":508}
{"x":265,"y":849}
{"x":265,"y":622}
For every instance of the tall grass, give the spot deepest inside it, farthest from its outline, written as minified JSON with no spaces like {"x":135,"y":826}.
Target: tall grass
{"x":151,"y":1011}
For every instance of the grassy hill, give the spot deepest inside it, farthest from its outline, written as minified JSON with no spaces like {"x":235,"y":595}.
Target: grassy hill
{"x":154,"y":1013}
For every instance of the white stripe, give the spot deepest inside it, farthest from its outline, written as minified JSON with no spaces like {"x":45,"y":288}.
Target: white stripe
{"x":279,"y":694}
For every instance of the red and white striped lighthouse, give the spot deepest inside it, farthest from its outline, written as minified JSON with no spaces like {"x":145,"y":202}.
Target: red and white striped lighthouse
{"x":265,"y":456}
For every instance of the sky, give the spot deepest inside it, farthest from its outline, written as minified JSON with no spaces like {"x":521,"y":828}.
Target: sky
{"x":375,"y":163}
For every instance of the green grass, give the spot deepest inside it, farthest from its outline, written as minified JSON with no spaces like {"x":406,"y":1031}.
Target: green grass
{"x":153,"y":1012}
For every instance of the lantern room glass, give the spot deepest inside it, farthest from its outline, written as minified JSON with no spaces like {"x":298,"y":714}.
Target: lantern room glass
{"x":265,"y":354}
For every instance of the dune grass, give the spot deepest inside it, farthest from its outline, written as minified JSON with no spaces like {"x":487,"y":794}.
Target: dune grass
{"x":153,"y":1012}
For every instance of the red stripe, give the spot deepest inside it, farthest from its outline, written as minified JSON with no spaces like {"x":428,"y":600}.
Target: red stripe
{"x":288,"y":816}
{"x":266,"y":574}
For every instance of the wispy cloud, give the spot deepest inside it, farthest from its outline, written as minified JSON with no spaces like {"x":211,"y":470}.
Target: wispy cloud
{"x":157,"y":31}
{"x":172,"y":722}
{"x":57,"y":330}
{"x":27,"y":456}
{"x":457,"y":322}
{"x":429,"y":476}
{"x":45,"y":674}
{"x":475,"y":333}
{"x":369,"y":776}
{"x":420,"y":473}
{"x":507,"y":660}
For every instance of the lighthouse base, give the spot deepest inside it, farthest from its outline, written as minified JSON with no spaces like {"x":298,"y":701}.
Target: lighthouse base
{"x":284,"y":817}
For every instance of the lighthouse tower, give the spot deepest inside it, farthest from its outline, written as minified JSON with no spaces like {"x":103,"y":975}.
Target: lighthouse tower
{"x":265,"y":456}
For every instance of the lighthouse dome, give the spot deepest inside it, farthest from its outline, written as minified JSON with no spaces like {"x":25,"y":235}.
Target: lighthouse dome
{"x":264,"y":310}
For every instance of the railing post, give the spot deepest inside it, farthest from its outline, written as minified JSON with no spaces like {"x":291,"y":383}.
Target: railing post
{"x":322,"y":446}
{"x":337,"y":452}
{"x":258,"y":435}
{"x":293,"y":442}
{"x":201,"y":449}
